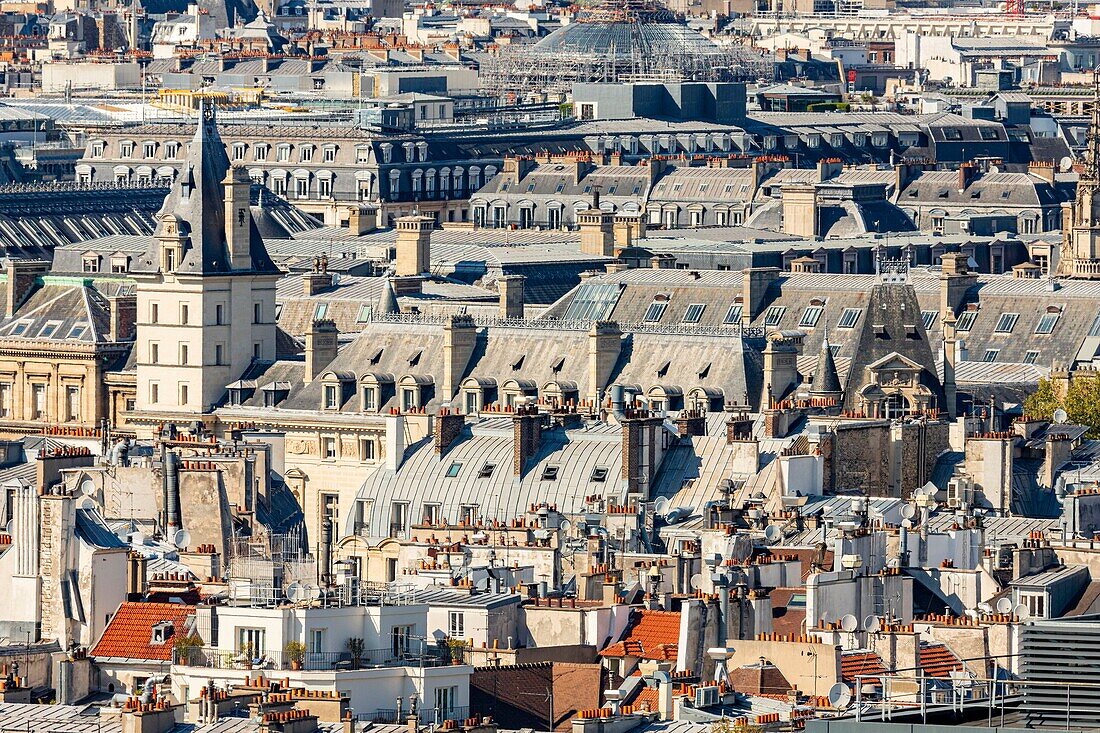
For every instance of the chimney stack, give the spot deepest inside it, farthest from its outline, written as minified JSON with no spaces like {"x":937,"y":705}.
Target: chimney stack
{"x":448,"y":426}
{"x":510,"y":288}
{"x":321,"y":345}
{"x":123,"y":317}
{"x":527,"y":429}
{"x":414,"y":245}
{"x":22,"y":280}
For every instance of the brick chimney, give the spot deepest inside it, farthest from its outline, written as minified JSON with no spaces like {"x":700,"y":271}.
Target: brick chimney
{"x":22,"y":279}
{"x":448,"y":426}
{"x":123,"y":317}
{"x":527,"y":429}
{"x":691,"y":423}
{"x":967,"y":172}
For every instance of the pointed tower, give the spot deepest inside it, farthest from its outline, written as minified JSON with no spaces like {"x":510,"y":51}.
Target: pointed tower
{"x":387,"y":301}
{"x":205,"y":288}
{"x":826,"y":382}
{"x":1080,"y":256}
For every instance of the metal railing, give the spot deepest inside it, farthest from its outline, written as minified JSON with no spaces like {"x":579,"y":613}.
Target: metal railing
{"x":429,"y":716}
{"x":418,"y":655}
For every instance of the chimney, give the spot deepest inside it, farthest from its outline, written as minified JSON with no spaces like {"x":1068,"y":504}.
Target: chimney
{"x":238,"y":218}
{"x":800,"y":214}
{"x":136,"y":575}
{"x":321,"y":345}
{"x":967,"y":172}
{"x":395,"y":441}
{"x":138,"y":717}
{"x":829,"y":168}
{"x":955,"y":280}
{"x":605,"y":341}
{"x":510,"y":288}
{"x":448,"y":426}
{"x":597,"y":231}
{"x":123,"y":317}
{"x":22,"y":280}
{"x":362,"y":220}
{"x":459,"y":340}
{"x":641,"y":450}
{"x":414,"y":245}
{"x":754,"y":290}
{"x":527,"y":431}
{"x":690,"y":423}
{"x":628,"y":229}
{"x":515,"y":169}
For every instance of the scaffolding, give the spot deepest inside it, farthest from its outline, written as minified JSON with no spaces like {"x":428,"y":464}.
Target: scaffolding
{"x":260,"y":567}
{"x":631,"y":41}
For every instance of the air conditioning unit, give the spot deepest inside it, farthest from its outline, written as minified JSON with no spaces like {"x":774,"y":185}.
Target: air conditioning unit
{"x":960,"y":492}
{"x":706,"y":696}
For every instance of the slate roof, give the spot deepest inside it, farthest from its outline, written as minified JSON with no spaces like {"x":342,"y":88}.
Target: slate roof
{"x":61,"y":313}
{"x":130,"y":631}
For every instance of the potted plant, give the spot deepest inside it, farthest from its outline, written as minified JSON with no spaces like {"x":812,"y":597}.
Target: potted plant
{"x":355,"y":646}
{"x":295,"y":651}
{"x":184,"y":647}
{"x":456,"y":646}
{"x":248,"y":653}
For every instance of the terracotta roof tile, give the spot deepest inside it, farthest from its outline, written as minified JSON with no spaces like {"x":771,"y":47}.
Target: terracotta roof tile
{"x":937,"y":660}
{"x":129,"y":634}
{"x":860,"y":663}
{"x":649,"y":635}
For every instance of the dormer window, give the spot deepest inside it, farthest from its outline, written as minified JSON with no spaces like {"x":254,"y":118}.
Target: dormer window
{"x":90,"y":263}
{"x":162,"y":632}
{"x":370,"y":399}
{"x":331,"y":397}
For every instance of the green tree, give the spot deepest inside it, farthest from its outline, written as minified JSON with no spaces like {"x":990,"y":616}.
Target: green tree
{"x":1043,"y":402}
{"x":1081,"y":403}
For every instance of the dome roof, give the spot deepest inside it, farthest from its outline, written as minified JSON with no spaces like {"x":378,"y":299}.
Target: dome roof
{"x":627,"y":37}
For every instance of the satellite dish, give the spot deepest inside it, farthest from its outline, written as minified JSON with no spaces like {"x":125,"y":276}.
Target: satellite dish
{"x":1065,"y":165}
{"x":1020,"y":611}
{"x":839,"y":696}
{"x":313,"y":592}
{"x":985,"y":607}
{"x":87,"y":487}
{"x":872,"y":623}
{"x":10,"y":528}
{"x":908,"y":511}
{"x":1004,"y":605}
{"x":294,"y":592}
{"x":971,"y":613}
{"x":698,"y":582}
{"x":540,"y":534}
{"x":566,"y":526}
{"x":849,"y":623}
{"x":929,"y":489}
{"x":661,"y":505}
{"x":88,"y":504}
{"x":181,"y":539}
{"x":773,"y":533}
{"x":1060,"y":416}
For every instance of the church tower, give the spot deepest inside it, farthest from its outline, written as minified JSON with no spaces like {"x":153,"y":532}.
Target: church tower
{"x":205,"y":288}
{"x":1080,"y":256}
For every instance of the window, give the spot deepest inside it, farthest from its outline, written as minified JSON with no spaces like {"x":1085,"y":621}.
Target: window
{"x":257,"y":315}
{"x":401,"y":640}
{"x":183,"y":354}
{"x":239,"y":151}
{"x":453,"y":469}
{"x":733,"y":315}
{"x":154,"y":313}
{"x":1031,"y":357}
{"x":694,"y":312}
{"x":5,"y":404}
{"x":305,"y":154}
{"x":301,"y":188}
{"x":316,"y":640}
{"x":409,"y":399}
{"x":456,"y":624}
{"x":154,"y":353}
{"x":550,"y":473}
{"x":72,"y":403}
{"x":928,"y":318}
{"x":486,"y":470}
{"x":154,"y":393}
{"x":260,"y":153}
{"x":48,"y":330}
{"x":1047,"y":322}
{"x":810,"y":316}
{"x":126,"y":149}
{"x":990,"y":355}
{"x":328,"y":448}
{"x":250,"y":641}
{"x":282,"y":153}
{"x":329,"y":154}
{"x":324,"y":187}
{"x":148,"y":149}
{"x":966,"y":320}
{"x":370,"y":399}
{"x":91,"y":263}
{"x":655,"y":310}
{"x":331,"y":399}
{"x":599,"y":475}
{"x":364,"y":314}
{"x":849,"y":318}
{"x":219,"y":314}
{"x":97,"y":149}
{"x":399,"y":517}
{"x":20,"y":328}
{"x":445,"y":702}
{"x":320,"y":311}
{"x":1094,"y":329}
{"x":185,"y":313}
{"x":183,"y":393}
{"x":1006,"y":322}
{"x":433,"y":514}
{"x":774,"y":315}
{"x":218,"y":355}
{"x":1035,"y":603}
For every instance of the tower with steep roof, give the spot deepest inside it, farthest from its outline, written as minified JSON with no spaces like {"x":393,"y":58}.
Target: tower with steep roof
{"x":1080,"y":255}
{"x":205,"y":288}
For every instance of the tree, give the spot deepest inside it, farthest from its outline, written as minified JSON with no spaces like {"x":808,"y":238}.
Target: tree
{"x":1043,"y":402}
{"x":1081,"y":403}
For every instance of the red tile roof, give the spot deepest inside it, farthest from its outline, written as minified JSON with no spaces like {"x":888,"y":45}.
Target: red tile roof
{"x":787,"y":619}
{"x":649,"y":635}
{"x":860,"y":663}
{"x":937,"y":660}
{"x":129,"y":635}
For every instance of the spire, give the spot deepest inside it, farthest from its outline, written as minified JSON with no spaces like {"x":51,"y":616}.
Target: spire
{"x":826,"y":381}
{"x":387,"y":301}
{"x":1091,"y":177}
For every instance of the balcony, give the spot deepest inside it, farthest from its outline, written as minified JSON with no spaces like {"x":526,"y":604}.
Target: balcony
{"x":430,"y":716}
{"x":209,"y":658}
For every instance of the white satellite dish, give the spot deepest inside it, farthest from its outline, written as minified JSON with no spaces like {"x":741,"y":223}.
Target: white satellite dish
{"x":87,"y":487}
{"x":908,"y":511}
{"x":1004,"y":605}
{"x":1020,"y":611}
{"x":294,"y":592}
{"x":1065,"y":165}
{"x":872,"y":623}
{"x":313,"y":592}
{"x":661,"y":505}
{"x":10,"y":528}
{"x":839,"y":696}
{"x":1060,"y":416}
{"x":849,"y":623}
{"x":566,"y":526}
{"x":772,"y":533}
{"x":929,"y":489}
{"x":985,"y":607}
{"x":971,"y":614}
{"x":88,"y":504}
{"x":481,"y":536}
{"x":181,"y":539}
{"x":698,"y":582}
